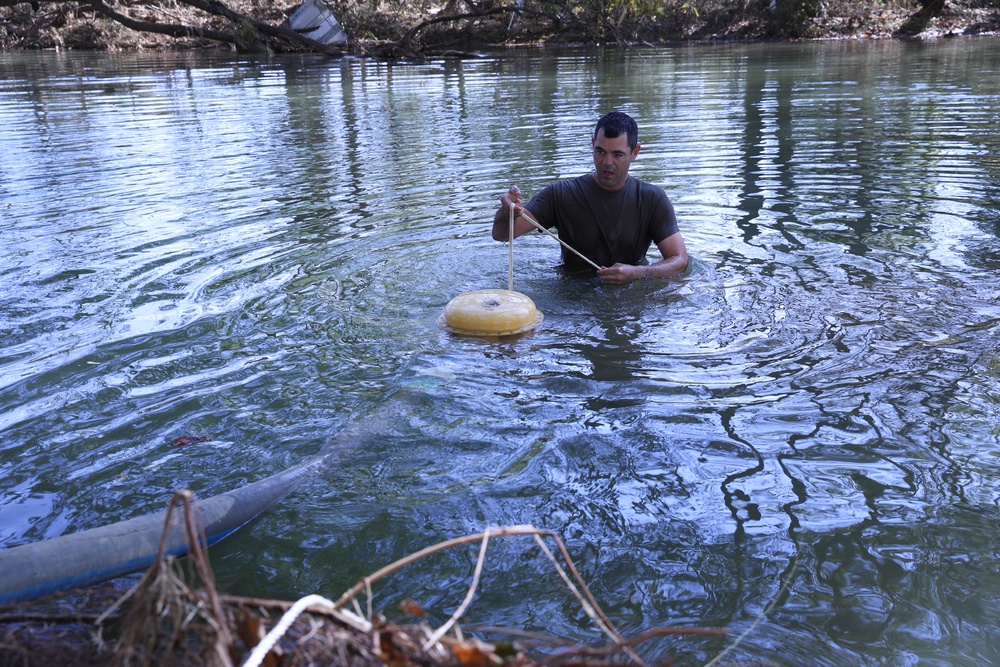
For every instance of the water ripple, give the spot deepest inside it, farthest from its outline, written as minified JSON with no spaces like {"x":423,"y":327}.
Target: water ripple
{"x":256,"y":252}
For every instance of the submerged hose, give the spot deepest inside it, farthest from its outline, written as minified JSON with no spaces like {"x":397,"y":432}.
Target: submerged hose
{"x":31,"y":571}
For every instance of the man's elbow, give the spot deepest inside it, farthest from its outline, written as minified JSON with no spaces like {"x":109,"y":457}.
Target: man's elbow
{"x":682,"y":262}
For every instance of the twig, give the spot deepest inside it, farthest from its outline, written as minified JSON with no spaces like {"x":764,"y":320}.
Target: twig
{"x":354,"y":621}
{"x":537,"y":637}
{"x":196,"y":537}
{"x":785,"y":585}
{"x":440,"y":632}
{"x":579,"y":590}
{"x":447,"y":544}
{"x":587,"y":600}
{"x":50,"y":618}
{"x":635,"y":641}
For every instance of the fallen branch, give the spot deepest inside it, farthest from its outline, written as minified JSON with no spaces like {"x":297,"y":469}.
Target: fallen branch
{"x":918,"y":22}
{"x":407,"y":41}
{"x":579,"y":589}
{"x":218,"y":8}
{"x":237,"y":37}
{"x":175,"y":30}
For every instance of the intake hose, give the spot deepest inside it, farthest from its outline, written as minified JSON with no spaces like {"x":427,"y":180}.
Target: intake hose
{"x":31,"y":571}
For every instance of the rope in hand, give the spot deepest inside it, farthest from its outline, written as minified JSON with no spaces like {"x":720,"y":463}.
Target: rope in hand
{"x":510,"y":253}
{"x":526,"y":216}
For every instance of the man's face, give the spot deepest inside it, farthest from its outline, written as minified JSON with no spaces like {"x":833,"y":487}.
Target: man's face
{"x":612,"y":158}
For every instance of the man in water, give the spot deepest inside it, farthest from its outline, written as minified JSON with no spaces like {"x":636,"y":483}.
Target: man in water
{"x":608,"y":216}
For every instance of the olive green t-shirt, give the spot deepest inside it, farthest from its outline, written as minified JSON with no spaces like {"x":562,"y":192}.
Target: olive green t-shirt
{"x":604,"y":225}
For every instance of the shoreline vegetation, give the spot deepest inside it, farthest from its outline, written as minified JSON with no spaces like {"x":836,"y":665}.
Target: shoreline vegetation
{"x":401,"y":30}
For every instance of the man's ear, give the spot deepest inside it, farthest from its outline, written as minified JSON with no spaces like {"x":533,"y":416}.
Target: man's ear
{"x":635,"y":151}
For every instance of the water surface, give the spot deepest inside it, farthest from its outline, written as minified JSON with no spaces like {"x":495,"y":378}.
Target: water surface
{"x":798,"y":437}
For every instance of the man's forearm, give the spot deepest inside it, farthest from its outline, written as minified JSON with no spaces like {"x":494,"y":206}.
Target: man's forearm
{"x":501,"y":225}
{"x":670,"y":266}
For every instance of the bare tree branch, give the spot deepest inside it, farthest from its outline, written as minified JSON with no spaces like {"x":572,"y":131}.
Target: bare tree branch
{"x":219,"y":9}
{"x":405,"y":44}
{"x":280,"y":36}
{"x":918,"y":22}
{"x":162,"y":28}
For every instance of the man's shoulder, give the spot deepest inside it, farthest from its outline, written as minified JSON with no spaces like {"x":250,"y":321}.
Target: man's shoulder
{"x":564,"y":186}
{"x":646,"y":186}
{"x":575,"y":182}
{"x":649,"y":191}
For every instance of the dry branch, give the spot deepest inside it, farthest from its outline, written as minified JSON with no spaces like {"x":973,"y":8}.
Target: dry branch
{"x":178,"y":31}
{"x":163,"y":620}
{"x":247,"y":32}
{"x":218,"y":8}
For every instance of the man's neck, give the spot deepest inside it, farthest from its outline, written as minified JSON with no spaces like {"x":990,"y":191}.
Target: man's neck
{"x":593,"y":177}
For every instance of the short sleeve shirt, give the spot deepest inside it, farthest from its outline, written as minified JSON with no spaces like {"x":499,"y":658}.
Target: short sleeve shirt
{"x":604,"y":225}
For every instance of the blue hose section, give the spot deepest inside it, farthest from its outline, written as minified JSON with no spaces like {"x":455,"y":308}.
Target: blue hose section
{"x":32,"y":571}
{"x":90,"y":577}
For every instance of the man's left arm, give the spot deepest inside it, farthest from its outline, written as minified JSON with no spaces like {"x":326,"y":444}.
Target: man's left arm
{"x":675,"y":261}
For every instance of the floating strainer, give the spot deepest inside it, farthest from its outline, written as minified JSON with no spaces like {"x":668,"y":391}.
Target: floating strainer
{"x":490,"y":313}
{"x":496,"y":312}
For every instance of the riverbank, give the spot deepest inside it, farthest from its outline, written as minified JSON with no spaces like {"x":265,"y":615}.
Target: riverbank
{"x":402,"y":31}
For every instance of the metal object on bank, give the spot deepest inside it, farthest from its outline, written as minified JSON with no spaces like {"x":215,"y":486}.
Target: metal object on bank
{"x":315,"y":20}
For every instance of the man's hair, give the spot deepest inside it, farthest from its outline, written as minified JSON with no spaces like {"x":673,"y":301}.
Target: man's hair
{"x":617,"y":123}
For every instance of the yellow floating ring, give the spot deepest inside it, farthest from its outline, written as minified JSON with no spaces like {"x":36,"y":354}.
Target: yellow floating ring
{"x":490,"y":313}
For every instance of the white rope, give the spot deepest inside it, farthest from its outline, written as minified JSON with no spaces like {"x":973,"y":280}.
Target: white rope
{"x":524,"y":214}
{"x":278,"y":631}
{"x":510,"y":251}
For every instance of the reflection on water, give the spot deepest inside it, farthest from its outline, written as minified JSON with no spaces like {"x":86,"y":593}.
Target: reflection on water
{"x":257,"y":252}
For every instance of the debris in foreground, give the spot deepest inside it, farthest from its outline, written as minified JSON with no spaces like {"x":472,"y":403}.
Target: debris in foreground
{"x":166,"y":619}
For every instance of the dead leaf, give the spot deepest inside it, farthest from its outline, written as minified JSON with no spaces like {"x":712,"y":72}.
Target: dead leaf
{"x":186,"y":440}
{"x":412,"y":608}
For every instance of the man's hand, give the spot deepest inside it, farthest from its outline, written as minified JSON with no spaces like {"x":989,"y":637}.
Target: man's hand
{"x":511,"y":199}
{"x":620,"y":274}
{"x":501,"y":221}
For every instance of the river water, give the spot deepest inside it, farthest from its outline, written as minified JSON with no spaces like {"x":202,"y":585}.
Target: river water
{"x":797,"y":440}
